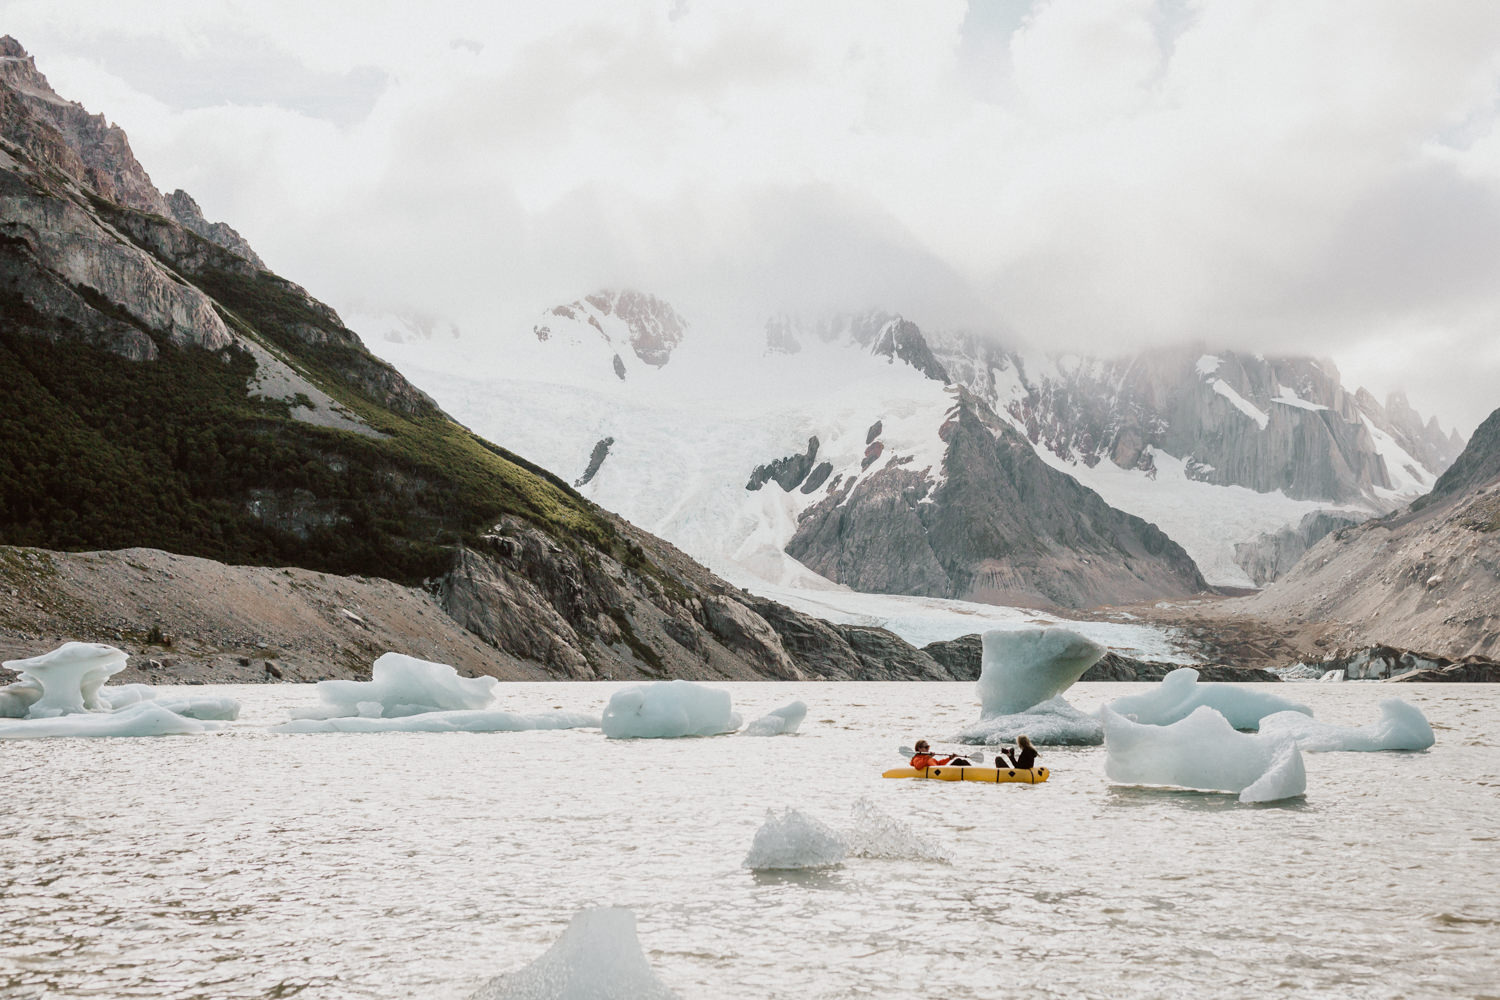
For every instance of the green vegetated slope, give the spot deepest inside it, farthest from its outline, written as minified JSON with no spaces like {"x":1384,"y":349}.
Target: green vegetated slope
{"x":105,"y":452}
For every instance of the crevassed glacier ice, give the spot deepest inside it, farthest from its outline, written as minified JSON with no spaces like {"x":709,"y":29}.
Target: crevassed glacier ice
{"x":779,"y":722}
{"x":1204,"y":752}
{"x":144,"y":718}
{"x":63,"y":682}
{"x":1025,"y":667}
{"x":668,"y":709}
{"x":1401,"y":726}
{"x":1179,"y":694}
{"x":469,"y":721}
{"x":1052,"y":723}
{"x":401,"y":685}
{"x":598,"y":957}
{"x":795,"y":840}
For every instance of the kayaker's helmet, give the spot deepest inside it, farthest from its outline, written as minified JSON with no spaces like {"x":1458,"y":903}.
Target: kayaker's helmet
{"x":921,"y":746}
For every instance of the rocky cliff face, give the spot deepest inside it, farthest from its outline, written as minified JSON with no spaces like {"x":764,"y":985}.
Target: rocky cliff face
{"x":997,"y":525}
{"x":1270,"y":556}
{"x":1281,"y":423}
{"x":1424,"y":578}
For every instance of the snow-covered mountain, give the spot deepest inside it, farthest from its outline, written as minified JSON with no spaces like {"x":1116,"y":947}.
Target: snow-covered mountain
{"x":733,"y":450}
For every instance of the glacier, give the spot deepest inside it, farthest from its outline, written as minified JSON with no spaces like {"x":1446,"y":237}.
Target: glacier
{"x":598,"y":957}
{"x":1203,"y":752}
{"x":1401,"y":726}
{"x":668,"y":710}
{"x":1179,"y":694}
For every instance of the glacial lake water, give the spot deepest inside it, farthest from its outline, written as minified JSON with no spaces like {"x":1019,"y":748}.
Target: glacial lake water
{"x":249,"y":864}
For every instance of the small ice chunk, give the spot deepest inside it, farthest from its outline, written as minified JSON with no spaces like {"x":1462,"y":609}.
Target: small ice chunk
{"x":1179,"y":694}
{"x":1052,"y":723}
{"x":1401,"y":727}
{"x":203,"y":708}
{"x":783,"y":721}
{"x":1202,"y":751}
{"x":598,"y":957}
{"x":17,"y":698}
{"x":1331,"y":677}
{"x":401,"y":685}
{"x":145,"y":718}
{"x":118,"y":696}
{"x":1025,"y":667}
{"x":668,"y":709}
{"x":69,"y":678}
{"x":876,"y":835}
{"x":473,"y":721}
{"x":795,"y":840}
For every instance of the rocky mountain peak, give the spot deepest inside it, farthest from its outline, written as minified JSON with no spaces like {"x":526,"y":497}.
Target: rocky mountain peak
{"x":620,"y":324}
{"x":188,"y":215}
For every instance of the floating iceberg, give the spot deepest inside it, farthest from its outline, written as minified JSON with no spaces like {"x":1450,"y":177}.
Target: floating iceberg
{"x":598,"y":957}
{"x":876,"y":835}
{"x":1052,"y":723}
{"x":142,"y":719}
{"x":401,"y":685}
{"x":65,"y":681}
{"x":783,"y":721}
{"x":1025,"y":667}
{"x":1022,"y":675}
{"x":795,"y":840}
{"x":668,"y":709}
{"x":468,"y":721}
{"x":1180,"y":694}
{"x":1203,"y":752}
{"x":63,"y":693}
{"x":1401,"y":727}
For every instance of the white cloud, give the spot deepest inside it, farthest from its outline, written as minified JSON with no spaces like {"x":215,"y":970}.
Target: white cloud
{"x":1319,"y":175}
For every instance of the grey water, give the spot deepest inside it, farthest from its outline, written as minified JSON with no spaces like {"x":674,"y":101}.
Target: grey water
{"x":249,"y":864}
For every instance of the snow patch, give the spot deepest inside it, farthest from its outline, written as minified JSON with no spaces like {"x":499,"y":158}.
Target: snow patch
{"x":1242,"y":404}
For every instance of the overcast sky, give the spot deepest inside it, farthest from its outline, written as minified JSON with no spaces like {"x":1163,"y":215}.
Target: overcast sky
{"x":1319,"y":176}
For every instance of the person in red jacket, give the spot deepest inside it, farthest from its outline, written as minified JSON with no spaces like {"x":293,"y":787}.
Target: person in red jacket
{"x":924,"y":758}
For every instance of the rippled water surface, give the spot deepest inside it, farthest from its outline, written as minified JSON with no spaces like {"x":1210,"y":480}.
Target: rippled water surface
{"x":247,"y":864}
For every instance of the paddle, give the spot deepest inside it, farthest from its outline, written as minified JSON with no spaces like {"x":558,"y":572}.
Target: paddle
{"x":975,"y":756}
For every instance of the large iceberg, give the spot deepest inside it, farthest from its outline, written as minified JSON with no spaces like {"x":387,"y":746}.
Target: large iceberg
{"x":1204,"y":752}
{"x":1022,"y":676}
{"x":1180,"y":694}
{"x":401,"y":685}
{"x":1025,"y":667}
{"x":598,"y":957}
{"x":63,"y":693}
{"x":65,"y":681}
{"x":795,"y":840}
{"x":1400,"y":727}
{"x":780,"y":722}
{"x":668,"y":709}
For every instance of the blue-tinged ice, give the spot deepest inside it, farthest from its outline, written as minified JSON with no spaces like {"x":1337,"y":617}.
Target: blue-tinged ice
{"x":401,"y":685}
{"x":1401,"y":726}
{"x":780,"y":722}
{"x":667,"y":710}
{"x":1203,"y":752}
{"x":1180,"y":694}
{"x":598,"y":957}
{"x":1022,"y":676}
{"x":65,"y":681}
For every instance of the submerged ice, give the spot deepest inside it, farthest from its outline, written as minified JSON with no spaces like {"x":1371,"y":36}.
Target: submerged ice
{"x":1180,"y":693}
{"x":1203,"y":752}
{"x":1401,"y":726}
{"x":598,"y":957}
{"x":780,"y":722}
{"x":1022,"y":676}
{"x":667,"y":710}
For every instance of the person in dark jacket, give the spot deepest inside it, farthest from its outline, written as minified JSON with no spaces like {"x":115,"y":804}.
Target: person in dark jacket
{"x":1024,"y":754}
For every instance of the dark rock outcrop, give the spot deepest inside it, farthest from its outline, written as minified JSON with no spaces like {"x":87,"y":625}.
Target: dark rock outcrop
{"x":596,"y":459}
{"x":788,"y":472}
{"x":1001,"y":526}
